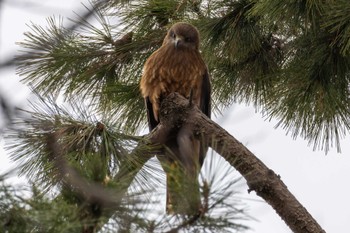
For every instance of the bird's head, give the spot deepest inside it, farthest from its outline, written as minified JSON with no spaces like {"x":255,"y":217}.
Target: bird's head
{"x":182,"y":36}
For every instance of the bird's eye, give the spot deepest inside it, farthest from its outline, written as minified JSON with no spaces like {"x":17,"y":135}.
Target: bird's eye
{"x":188,"y":39}
{"x":172,"y":34}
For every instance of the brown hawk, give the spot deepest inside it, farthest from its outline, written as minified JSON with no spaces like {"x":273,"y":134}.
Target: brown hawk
{"x":177,"y":66}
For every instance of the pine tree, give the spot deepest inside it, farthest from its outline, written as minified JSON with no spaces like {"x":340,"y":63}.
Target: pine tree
{"x":288,"y":58}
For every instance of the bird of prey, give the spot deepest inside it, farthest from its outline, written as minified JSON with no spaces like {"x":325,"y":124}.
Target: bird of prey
{"x":177,"y":66}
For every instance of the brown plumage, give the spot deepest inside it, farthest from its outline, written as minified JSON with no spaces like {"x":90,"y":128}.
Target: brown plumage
{"x":177,"y":66}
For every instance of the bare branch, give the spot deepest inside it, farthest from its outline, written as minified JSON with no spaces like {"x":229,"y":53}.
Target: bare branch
{"x":129,"y":167}
{"x":92,"y":192}
{"x":176,"y":110}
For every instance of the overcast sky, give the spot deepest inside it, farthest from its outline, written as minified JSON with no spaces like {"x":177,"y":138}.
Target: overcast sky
{"x":320,"y":182}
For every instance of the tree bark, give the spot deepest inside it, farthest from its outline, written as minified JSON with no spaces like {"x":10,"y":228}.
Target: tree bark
{"x":176,"y":112}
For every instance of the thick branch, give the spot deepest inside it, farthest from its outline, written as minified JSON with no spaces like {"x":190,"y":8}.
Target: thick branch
{"x":176,"y":112}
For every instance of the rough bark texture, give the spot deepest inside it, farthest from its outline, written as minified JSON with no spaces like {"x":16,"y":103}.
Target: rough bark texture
{"x":176,"y":112}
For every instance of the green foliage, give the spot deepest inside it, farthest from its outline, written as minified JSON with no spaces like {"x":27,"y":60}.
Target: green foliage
{"x":289,"y":58}
{"x":239,"y":54}
{"x":29,"y":211}
{"x":90,"y":146}
{"x":310,"y":97}
{"x":337,"y":22}
{"x":107,"y":163}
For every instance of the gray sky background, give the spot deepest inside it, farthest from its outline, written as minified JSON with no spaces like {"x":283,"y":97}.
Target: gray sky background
{"x":320,"y":182}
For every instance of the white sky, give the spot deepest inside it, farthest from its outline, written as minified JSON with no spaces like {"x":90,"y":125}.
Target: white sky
{"x":319,"y":181}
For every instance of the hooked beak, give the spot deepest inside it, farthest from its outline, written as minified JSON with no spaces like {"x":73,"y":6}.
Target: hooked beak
{"x":176,"y":42}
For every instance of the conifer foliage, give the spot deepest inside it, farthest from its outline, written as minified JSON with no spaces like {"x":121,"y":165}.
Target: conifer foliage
{"x":291,"y":59}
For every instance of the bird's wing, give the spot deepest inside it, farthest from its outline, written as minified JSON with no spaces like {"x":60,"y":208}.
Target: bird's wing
{"x":205,"y":104}
{"x":152,"y":122}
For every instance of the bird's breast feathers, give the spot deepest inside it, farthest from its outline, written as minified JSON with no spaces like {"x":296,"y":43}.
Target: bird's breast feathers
{"x":172,"y":71}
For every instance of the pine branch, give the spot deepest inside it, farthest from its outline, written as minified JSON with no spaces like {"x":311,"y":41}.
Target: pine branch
{"x":104,"y":202}
{"x":259,"y":178}
{"x":311,"y":98}
{"x":92,"y":193}
{"x":242,"y":52}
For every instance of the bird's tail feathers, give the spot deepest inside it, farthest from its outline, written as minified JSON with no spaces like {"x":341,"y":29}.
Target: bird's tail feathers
{"x":182,"y":166}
